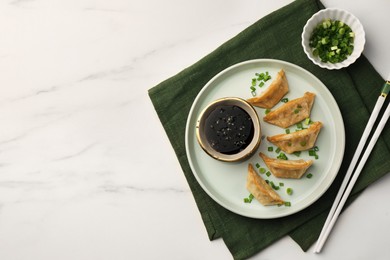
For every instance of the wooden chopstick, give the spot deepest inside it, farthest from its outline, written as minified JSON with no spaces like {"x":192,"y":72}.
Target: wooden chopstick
{"x":345,"y":190}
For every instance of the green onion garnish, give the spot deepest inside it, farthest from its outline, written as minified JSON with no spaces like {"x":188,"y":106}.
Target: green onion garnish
{"x":261,"y":78}
{"x":277,"y":150}
{"x":308,"y":121}
{"x":289,"y":191}
{"x":287,"y":204}
{"x":267,"y":111}
{"x":253,"y":82}
{"x":249,"y":199}
{"x":270,"y":149}
{"x":272,"y":184}
{"x":281,"y":184}
{"x":268,"y":173}
{"x":299,"y":125}
{"x":287,"y":131}
{"x":262,"y":170}
{"x":257,"y":165}
{"x":284,"y":100}
{"x":313,"y":152}
{"x":282,"y":156}
{"x":309,"y":175}
{"x":297,"y":153}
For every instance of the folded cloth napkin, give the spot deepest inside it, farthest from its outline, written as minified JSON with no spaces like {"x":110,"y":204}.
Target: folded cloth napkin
{"x":277,"y":36}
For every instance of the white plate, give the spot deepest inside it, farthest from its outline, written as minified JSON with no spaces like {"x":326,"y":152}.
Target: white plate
{"x":225,"y":182}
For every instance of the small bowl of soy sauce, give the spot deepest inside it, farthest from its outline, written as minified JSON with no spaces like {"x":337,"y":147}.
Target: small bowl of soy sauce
{"x":228,"y":129}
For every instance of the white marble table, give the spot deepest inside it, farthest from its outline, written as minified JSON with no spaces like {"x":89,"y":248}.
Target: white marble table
{"x":86,"y":170}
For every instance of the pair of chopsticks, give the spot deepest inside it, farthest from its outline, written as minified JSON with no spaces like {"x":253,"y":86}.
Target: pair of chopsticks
{"x":349,"y":182}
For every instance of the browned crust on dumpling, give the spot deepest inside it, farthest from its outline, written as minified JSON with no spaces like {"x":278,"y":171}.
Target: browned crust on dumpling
{"x":273,"y":94}
{"x":293,"y":169}
{"x":297,"y":141}
{"x":261,"y":190}
{"x":292,"y":112}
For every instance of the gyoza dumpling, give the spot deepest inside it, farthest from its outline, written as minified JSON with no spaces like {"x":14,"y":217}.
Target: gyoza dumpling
{"x":286,"y":168}
{"x":273,"y":94}
{"x":297,"y":141}
{"x":261,"y":190}
{"x":292,"y":112}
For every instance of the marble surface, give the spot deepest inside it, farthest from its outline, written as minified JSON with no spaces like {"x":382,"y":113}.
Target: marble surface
{"x":86,"y":170}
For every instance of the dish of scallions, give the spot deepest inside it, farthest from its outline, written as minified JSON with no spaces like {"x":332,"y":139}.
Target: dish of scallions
{"x":332,"y":41}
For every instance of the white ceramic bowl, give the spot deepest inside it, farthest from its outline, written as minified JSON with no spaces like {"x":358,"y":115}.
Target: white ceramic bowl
{"x":334,"y":14}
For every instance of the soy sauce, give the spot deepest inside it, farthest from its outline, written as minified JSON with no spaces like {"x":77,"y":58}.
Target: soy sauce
{"x":229,"y":129}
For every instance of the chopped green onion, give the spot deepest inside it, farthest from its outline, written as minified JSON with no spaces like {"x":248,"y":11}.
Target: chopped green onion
{"x":267,"y":111}
{"x":297,"y":153}
{"x":249,"y":199}
{"x":309,"y":175}
{"x":299,"y":125}
{"x":296,"y":111}
{"x":315,"y":148}
{"x":287,"y":131}
{"x":268,"y":173}
{"x":262,"y":170}
{"x":277,"y":150}
{"x":270,"y":149}
{"x":287,"y":204}
{"x":253,"y":82}
{"x":282,"y":156}
{"x":308,"y":121}
{"x":272,"y":184}
{"x":284,"y":100}
{"x":261,"y":78}
{"x":257,"y":165}
{"x":312,"y":152}
{"x":289,"y":191}
{"x":332,"y":41}
{"x":281,"y":184}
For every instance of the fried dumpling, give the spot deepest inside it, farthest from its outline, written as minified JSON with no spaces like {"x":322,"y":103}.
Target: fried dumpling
{"x":297,"y":141}
{"x":293,"y":169}
{"x":261,"y":190}
{"x":273,"y":94}
{"x":292,"y":112}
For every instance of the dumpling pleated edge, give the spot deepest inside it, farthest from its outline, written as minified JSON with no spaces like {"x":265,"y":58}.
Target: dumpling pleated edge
{"x":261,"y":190}
{"x":292,"y":169}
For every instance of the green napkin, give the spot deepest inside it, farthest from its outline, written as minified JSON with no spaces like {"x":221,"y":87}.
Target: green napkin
{"x":355,"y":89}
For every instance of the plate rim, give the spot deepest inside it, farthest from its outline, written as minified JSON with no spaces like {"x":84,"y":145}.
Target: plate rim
{"x":340,"y":126}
